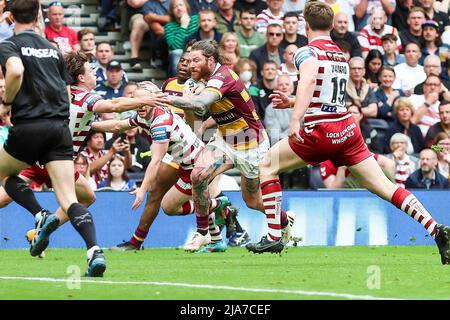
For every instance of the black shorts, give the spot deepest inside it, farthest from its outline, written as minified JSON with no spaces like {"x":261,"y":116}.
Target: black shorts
{"x":40,"y":141}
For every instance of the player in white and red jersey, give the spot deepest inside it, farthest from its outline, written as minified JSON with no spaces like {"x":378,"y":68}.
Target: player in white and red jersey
{"x":329,"y":133}
{"x":83,"y":107}
{"x":170,"y":137}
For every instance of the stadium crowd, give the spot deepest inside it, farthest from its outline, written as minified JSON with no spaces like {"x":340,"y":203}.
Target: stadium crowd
{"x":398,"y":52}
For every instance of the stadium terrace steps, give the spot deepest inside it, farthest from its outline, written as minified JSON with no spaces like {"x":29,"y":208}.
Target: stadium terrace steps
{"x":84,"y":15}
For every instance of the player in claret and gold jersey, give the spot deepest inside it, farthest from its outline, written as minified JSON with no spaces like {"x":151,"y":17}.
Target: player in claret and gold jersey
{"x":240,"y":141}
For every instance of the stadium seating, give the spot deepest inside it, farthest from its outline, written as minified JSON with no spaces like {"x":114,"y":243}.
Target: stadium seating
{"x":381,"y":126}
{"x":84,"y":15}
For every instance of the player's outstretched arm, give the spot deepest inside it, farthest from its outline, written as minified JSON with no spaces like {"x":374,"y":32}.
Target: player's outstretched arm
{"x":198,"y":103}
{"x":115,"y":126}
{"x":13,"y":79}
{"x":125,"y":104}
{"x":158,"y":149}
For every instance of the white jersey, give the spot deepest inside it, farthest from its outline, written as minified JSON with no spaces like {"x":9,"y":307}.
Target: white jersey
{"x":331,"y":84}
{"x":82,"y":103}
{"x":166,"y":126}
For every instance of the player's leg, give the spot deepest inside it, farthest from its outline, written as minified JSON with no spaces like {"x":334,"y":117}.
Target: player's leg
{"x":178,"y":201}
{"x":62,"y":176}
{"x":370,"y":175}
{"x":167,"y":177}
{"x":84,"y":193}
{"x":280,"y":158}
{"x":5,"y":200}
{"x":210,"y":163}
{"x":15,"y":186}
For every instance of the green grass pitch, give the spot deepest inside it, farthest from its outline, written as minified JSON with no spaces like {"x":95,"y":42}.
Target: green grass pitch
{"x":403,"y":272}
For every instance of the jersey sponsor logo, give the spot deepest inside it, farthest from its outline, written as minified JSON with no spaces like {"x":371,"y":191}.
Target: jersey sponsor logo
{"x":159,"y":134}
{"x":215,"y":83}
{"x":326,"y":108}
{"x":335,"y":56}
{"x":161,"y":119}
{"x":39,"y":53}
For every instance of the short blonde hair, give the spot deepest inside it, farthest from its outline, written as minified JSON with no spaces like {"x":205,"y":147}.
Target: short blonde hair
{"x":403,"y":102}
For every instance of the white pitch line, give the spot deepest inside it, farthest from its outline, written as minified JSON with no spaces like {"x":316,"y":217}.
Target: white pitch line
{"x":205,"y":286}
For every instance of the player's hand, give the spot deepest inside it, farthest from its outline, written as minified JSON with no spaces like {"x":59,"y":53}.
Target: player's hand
{"x":280,"y":100}
{"x":294,"y":131}
{"x":150,"y":86}
{"x":155,"y":100}
{"x":140,"y":195}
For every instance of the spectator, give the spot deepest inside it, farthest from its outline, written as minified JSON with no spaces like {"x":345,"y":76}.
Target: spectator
{"x":432,"y":65}
{"x":98,"y":158}
{"x":427,"y":105}
{"x":86,"y":39}
{"x":181,"y":27}
{"x":276,"y":121}
{"x":404,"y":111}
{"x":426,"y":177}
{"x":227,"y":18}
{"x":266,"y":86}
{"x":137,"y":26}
{"x":405,"y":163}
{"x":271,"y":50}
{"x":345,"y":48}
{"x":117,"y":176}
{"x":269,"y":16}
{"x":293,"y":5}
{"x":369,"y":134}
{"x":200,"y":5}
{"x":156,"y":14}
{"x":416,"y":17}
{"x":366,"y":8}
{"x":400,"y":15}
{"x":441,"y":126}
{"x":246,"y":69}
{"x":370,"y":36}
{"x":386,"y":95}
{"x":431,"y":42}
{"x":5,"y":123}
{"x":290,"y":32}
{"x":229,"y":49}
{"x":288,"y":67}
{"x":104,"y":54}
{"x":108,"y":15}
{"x":440,"y":17}
{"x":207,"y":27}
{"x":65,"y":37}
{"x":113,"y":86}
{"x":6,"y":25}
{"x":82,"y":166}
{"x":373,"y":64}
{"x":340,"y":32}
{"x":391,"y":56}
{"x":410,"y":73}
{"x":443,"y":140}
{"x":344,"y":7}
{"x":359,"y":91}
{"x":248,"y":38}
{"x":244,"y":5}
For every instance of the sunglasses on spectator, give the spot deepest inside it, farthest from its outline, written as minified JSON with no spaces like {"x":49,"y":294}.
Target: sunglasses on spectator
{"x":273,"y":34}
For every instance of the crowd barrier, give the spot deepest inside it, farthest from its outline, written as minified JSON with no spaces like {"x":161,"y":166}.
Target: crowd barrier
{"x":324,"y":218}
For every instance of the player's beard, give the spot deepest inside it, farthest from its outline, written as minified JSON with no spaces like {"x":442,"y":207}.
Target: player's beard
{"x":200,"y":73}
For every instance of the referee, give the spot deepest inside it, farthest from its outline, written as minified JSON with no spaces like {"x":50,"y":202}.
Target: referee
{"x":38,"y":97}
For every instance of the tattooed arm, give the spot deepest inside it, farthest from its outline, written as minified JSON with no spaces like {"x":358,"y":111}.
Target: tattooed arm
{"x":197,"y":103}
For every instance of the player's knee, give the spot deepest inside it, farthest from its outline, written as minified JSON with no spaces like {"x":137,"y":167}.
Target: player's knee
{"x":4,"y":200}
{"x":88,"y":199}
{"x":168,"y":210}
